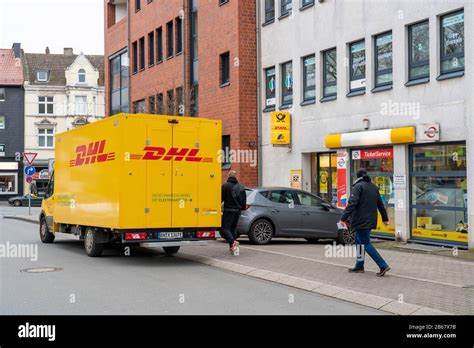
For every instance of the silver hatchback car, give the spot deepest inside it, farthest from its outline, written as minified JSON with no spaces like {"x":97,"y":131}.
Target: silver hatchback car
{"x":285,"y":212}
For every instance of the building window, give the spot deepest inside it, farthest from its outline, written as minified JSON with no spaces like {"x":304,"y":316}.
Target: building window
{"x":159,"y":104}
{"x":439,"y":193}
{"x":81,"y":105}
{"x":2,"y":150}
{"x":452,"y":42}
{"x":306,"y":3}
{"x":46,"y":105}
{"x":159,"y":45}
{"x":179,"y":35}
{"x":179,"y":101}
{"x":119,"y":70}
{"x":45,"y":137}
{"x":2,"y":122}
{"x":169,"y":31}
{"x":151,"y":105}
{"x":324,"y":174}
{"x":135,"y":56}
{"x":138,"y":5}
{"x":383,"y":60}
{"x":285,"y":7}
{"x":225,"y":68}
{"x":269,"y":10}
{"x":194,"y":49}
{"x":170,"y":102}
{"x":287,"y":84}
{"x":222,"y":2}
{"x":226,"y":163}
{"x":2,"y":94}
{"x":329,"y":73}
{"x":8,"y":183}
{"x":270,"y":88}
{"x":357,"y":66}
{"x":42,"y":76}
{"x":309,"y":78}
{"x":142,"y":53}
{"x":194,"y":100}
{"x":151,"y":48}
{"x":139,"y":106}
{"x":82,"y":76}
{"x":419,"y":51}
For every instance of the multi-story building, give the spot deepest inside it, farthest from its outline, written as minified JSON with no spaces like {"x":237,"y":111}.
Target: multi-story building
{"x":11,"y":122}
{"x":187,"y":58}
{"x":381,"y":84}
{"x":62,"y":91}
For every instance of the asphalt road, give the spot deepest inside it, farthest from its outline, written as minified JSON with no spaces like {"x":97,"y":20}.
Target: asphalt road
{"x":147,"y":282}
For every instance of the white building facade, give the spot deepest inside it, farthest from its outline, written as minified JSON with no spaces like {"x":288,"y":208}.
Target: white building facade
{"x":62,"y":91}
{"x":387,"y":85}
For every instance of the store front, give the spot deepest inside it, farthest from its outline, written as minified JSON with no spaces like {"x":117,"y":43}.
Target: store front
{"x":324,"y":176}
{"x":8,"y":180}
{"x":439,"y":193}
{"x":379,"y":164}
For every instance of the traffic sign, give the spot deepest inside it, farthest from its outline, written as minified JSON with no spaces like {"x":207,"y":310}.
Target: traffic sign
{"x":29,"y":179}
{"x":30,"y":170}
{"x":30,"y":157}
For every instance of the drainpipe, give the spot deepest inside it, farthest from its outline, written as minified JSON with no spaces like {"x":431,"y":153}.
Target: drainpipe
{"x":259,"y":94}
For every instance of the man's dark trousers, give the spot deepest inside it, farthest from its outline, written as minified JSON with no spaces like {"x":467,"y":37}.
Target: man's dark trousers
{"x":362,"y":237}
{"x":230,"y":218}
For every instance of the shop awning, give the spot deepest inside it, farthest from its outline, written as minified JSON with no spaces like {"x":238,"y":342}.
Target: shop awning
{"x":403,"y":135}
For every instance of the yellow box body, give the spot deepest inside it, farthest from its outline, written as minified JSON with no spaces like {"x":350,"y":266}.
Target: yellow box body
{"x":139,"y":172}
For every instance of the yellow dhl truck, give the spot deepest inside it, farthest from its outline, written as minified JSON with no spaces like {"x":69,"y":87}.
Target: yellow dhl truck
{"x":138,"y":180}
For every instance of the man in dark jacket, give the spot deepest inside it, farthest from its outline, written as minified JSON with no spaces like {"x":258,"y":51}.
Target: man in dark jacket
{"x":235,"y":200}
{"x":361,"y":214}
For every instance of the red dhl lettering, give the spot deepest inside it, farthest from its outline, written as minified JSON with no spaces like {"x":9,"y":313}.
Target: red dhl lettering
{"x":173,"y":154}
{"x":91,"y":153}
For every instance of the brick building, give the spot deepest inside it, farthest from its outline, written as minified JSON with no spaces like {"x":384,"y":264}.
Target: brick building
{"x":188,"y":58}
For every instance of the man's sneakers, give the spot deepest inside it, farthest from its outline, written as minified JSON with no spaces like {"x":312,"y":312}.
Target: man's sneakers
{"x":356,"y":270}
{"x":234,"y":248}
{"x":383,"y":271}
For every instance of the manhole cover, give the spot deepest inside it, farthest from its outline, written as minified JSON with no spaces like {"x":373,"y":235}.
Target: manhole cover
{"x":41,"y":270}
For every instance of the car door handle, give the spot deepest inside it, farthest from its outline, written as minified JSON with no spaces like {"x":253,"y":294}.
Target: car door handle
{"x":305,"y":213}
{"x":275,"y":211}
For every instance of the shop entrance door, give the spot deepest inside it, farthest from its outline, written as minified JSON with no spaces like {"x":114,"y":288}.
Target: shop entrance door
{"x":324,"y":173}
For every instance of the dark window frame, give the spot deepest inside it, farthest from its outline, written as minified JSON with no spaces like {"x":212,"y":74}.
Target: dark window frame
{"x":283,"y":86}
{"x":327,"y":83}
{"x":152,"y":104}
{"x":170,"y":40}
{"x":179,"y":35}
{"x":159,"y":45}
{"x":283,"y":11}
{"x":269,"y":11}
{"x":224,"y":68}
{"x":160,"y":109}
{"x":444,"y":57}
{"x":151,"y":48}
{"x":378,"y":73}
{"x":305,"y":78}
{"x":135,"y":57}
{"x":138,"y":5}
{"x":425,"y":62}
{"x":123,"y":74}
{"x":272,"y":95}
{"x":226,"y":163}
{"x":3,"y":94}
{"x":352,"y":76}
{"x":142,"y":53}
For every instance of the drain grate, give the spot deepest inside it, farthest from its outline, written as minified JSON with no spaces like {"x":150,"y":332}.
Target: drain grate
{"x":41,"y":270}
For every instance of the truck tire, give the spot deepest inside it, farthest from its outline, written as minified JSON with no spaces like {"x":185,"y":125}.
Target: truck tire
{"x":261,"y":232}
{"x":171,"y":250}
{"x":45,"y":236}
{"x":93,"y":249}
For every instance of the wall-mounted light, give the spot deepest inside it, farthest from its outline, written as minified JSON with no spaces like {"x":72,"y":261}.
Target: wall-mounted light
{"x":366,"y":122}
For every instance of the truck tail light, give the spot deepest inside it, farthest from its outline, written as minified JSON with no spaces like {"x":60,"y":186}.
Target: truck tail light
{"x":206,"y":234}
{"x":135,"y":236}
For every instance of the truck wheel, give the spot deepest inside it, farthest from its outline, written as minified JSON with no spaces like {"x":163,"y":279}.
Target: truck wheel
{"x":45,"y":236}
{"x":93,"y":249}
{"x":261,"y":232}
{"x":346,"y":237}
{"x":171,"y":250}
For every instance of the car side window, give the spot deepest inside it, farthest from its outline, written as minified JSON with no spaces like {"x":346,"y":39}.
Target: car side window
{"x":309,"y":200}
{"x":283,"y":197}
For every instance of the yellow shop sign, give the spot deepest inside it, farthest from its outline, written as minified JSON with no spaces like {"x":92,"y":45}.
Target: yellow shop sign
{"x":281,"y":128}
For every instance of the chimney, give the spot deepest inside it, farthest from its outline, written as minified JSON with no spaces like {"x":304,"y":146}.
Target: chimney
{"x":17,"y":49}
{"x":68,"y":51}
{"x":46,"y":50}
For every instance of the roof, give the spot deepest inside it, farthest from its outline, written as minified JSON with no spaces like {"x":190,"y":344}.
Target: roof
{"x":11,"y":71}
{"x":57,"y":64}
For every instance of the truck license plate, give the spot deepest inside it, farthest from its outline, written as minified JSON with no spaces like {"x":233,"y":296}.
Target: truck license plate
{"x":170,"y":235}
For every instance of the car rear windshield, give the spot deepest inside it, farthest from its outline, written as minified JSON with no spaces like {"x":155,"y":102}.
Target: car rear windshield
{"x":253,"y":194}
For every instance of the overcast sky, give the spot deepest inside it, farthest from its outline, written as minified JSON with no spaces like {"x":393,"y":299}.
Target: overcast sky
{"x":54,"y":23}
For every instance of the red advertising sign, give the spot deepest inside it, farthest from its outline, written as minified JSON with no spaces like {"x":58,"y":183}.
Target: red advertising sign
{"x":341,"y":179}
{"x":372,"y":154}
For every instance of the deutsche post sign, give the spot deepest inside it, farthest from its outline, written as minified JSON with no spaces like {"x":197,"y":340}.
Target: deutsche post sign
{"x":281,"y":128}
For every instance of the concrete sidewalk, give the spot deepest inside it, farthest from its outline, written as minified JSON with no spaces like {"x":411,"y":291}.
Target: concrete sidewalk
{"x":417,"y":284}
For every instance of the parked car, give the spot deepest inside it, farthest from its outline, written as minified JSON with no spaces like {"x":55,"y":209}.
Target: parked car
{"x":23,"y":200}
{"x":285,"y":212}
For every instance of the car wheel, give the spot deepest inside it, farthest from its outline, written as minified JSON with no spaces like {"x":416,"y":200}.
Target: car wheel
{"x":261,"y":232}
{"x":346,"y":236}
{"x":93,"y":249}
{"x":312,"y":240}
{"x":45,"y":236}
{"x":171,"y":250}
{"x":17,"y":203}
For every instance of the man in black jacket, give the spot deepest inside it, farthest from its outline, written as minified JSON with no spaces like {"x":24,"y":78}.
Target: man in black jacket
{"x":361,"y":213}
{"x":235,"y":200}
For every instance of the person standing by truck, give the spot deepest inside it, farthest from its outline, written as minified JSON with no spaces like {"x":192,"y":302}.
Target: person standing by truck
{"x":235,"y":200}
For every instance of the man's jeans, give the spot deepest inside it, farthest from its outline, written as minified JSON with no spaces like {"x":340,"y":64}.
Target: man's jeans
{"x":230,"y":218}
{"x":362,"y":239}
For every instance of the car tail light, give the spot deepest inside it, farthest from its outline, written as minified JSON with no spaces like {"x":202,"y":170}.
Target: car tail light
{"x":206,"y":234}
{"x":247,"y":206}
{"x":135,"y":236}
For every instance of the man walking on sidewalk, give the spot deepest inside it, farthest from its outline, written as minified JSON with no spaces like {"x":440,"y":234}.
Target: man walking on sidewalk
{"x":361,"y":212}
{"x":235,"y":200}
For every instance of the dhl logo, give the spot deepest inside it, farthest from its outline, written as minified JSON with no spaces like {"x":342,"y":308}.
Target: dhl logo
{"x":92,"y":153}
{"x":173,"y":154}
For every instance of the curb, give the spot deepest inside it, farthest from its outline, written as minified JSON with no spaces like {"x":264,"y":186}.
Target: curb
{"x":20,"y":218}
{"x":381,"y":303}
